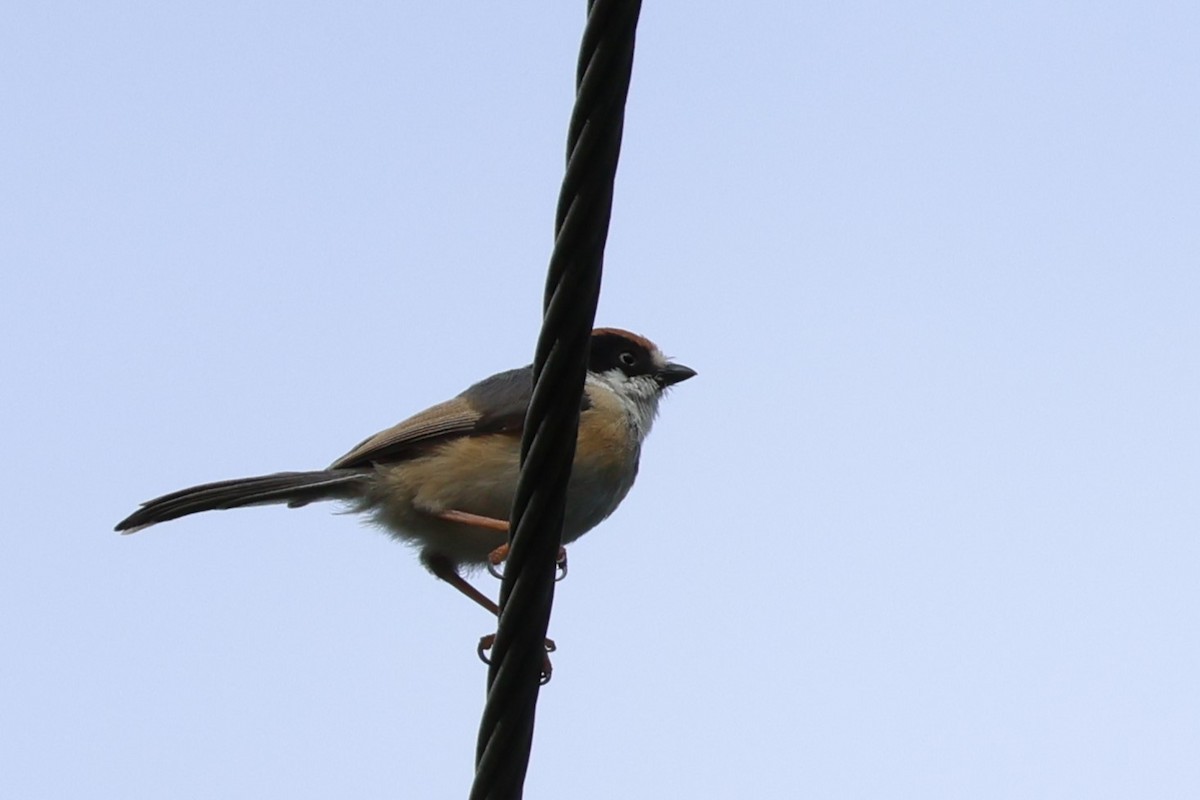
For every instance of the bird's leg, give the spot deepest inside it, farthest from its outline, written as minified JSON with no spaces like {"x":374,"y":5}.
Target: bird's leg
{"x":497,"y":556}
{"x":489,"y":523}
{"x":443,"y":568}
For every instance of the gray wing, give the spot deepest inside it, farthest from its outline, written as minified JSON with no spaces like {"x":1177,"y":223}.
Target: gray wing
{"x":494,"y":405}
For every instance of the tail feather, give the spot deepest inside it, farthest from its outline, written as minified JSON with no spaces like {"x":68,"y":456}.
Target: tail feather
{"x":293,"y":488}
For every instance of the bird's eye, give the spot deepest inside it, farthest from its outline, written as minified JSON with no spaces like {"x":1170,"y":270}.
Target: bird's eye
{"x":627,"y":358}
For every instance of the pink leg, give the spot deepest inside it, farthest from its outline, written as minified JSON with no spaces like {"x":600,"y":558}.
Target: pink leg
{"x":444,"y":569}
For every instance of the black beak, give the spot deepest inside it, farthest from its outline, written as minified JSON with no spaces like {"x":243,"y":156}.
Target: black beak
{"x":672,"y":374}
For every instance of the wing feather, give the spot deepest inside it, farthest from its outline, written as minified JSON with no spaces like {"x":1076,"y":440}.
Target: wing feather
{"x":445,"y":420}
{"x":494,"y":405}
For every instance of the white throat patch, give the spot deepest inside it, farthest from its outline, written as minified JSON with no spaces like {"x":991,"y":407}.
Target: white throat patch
{"x":639,"y":397}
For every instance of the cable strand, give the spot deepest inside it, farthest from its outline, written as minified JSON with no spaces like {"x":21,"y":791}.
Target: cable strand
{"x":582,"y":218}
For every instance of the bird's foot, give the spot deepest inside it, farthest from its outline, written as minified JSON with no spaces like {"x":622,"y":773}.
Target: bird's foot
{"x":486,"y":642}
{"x":497,"y":557}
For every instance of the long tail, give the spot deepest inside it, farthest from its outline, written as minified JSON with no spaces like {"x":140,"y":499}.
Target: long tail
{"x":293,"y":488}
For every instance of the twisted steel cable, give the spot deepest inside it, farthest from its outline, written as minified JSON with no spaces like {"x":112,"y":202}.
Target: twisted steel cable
{"x":551,"y":424}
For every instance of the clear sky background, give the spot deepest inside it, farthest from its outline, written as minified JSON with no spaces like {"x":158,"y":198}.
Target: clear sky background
{"x":925,"y":525}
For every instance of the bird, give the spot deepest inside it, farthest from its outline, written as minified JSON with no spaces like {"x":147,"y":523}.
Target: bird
{"x":443,"y":480}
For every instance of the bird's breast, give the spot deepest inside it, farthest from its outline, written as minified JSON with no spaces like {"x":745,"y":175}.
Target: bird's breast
{"x":478,"y":475}
{"x":605,"y":466}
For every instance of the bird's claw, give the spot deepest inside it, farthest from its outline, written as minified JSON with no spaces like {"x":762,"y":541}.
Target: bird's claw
{"x":497,"y":557}
{"x":486,"y":642}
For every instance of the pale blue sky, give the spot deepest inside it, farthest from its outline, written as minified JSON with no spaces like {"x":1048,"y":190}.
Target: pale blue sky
{"x":925,"y":526}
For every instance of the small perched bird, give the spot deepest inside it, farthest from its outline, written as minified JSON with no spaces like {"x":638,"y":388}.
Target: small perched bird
{"x":444,"y":479}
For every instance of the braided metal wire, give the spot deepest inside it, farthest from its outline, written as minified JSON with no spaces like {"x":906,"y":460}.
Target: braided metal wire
{"x":560,"y":365}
